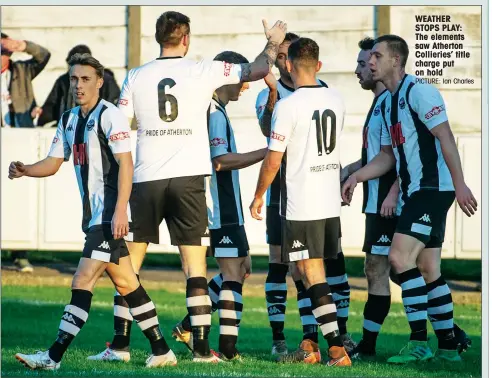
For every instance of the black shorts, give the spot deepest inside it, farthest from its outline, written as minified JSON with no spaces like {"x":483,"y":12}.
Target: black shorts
{"x":180,"y":201}
{"x":273,"y":225}
{"x":424,"y":216}
{"x":229,"y":241}
{"x":100,"y":245}
{"x":379,"y":234}
{"x":317,"y":239}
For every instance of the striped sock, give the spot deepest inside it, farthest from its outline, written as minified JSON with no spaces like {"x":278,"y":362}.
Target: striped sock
{"x":74,"y":317}
{"x":375,"y":311}
{"x":276,"y":298}
{"x":440,"y":313}
{"x":308,"y":321}
{"x":337,"y":279}
{"x":230,"y":310}
{"x":122,"y":320}
{"x":213,"y":290}
{"x":143,"y":311}
{"x":325,"y":312}
{"x":200,"y":310}
{"x":414,"y":294}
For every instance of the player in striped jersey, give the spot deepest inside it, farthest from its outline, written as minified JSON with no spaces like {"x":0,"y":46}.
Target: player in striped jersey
{"x":276,"y":282}
{"x":98,"y":135}
{"x":169,"y":98}
{"x":417,"y":137}
{"x":310,"y":184}
{"x":229,"y":244}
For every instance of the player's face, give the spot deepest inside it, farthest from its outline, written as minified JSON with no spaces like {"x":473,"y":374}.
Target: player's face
{"x":381,"y":63}
{"x":84,"y":84}
{"x":363,"y":72}
{"x":281,"y":62}
{"x":235,"y":90}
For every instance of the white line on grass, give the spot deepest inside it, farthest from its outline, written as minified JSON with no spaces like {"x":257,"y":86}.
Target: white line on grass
{"x":101,"y":304}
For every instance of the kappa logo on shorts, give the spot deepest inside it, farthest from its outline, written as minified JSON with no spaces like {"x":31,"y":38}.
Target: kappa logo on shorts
{"x":343,"y":304}
{"x":225,"y":240}
{"x":384,"y":239}
{"x":409,"y":309}
{"x":104,"y":245}
{"x":274,"y":310}
{"x":297,"y":244}
{"x":68,"y":318}
{"x":425,"y":218}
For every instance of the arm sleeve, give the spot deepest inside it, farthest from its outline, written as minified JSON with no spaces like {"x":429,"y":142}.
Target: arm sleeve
{"x":261,"y":102}
{"x":125,"y":103}
{"x":218,"y":134}
{"x":428,"y":103}
{"x":60,"y":148}
{"x":51,"y":105}
{"x":385,"y":135}
{"x":116,"y":128}
{"x":282,"y":126}
{"x":40,"y":58}
{"x":221,"y":73}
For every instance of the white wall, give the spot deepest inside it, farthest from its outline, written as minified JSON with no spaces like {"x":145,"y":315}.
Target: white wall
{"x":46,"y":214}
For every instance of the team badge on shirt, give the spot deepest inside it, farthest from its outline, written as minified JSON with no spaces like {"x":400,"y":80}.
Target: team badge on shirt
{"x":402,"y":103}
{"x":377,"y":110}
{"x":90,"y":124}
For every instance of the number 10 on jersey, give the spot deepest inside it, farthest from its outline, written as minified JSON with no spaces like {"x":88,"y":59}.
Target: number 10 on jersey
{"x":168,"y":104}
{"x":321,"y":131}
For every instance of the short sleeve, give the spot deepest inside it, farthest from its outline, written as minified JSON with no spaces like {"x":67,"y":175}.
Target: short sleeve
{"x":60,"y":148}
{"x":261,"y":102}
{"x":218,"y":134}
{"x":282,"y":126}
{"x":221,"y":73}
{"x":125,"y":102}
{"x":428,"y":103}
{"x":116,"y":129}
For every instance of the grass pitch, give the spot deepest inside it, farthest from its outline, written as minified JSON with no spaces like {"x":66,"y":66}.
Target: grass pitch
{"x":30,"y":317}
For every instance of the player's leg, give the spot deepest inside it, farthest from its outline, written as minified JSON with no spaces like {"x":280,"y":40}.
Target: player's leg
{"x":142,"y":310}
{"x":336,"y":276}
{"x":377,"y":243}
{"x":276,"y":282}
{"x":186,"y":218}
{"x":91,"y":266}
{"x":182,"y":331}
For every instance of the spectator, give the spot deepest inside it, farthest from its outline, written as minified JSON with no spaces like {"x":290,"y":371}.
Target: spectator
{"x":18,"y":103}
{"x":61,"y":99}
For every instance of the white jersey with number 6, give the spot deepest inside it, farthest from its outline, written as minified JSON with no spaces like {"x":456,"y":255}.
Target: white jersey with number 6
{"x":307,"y":126}
{"x":169,"y":98}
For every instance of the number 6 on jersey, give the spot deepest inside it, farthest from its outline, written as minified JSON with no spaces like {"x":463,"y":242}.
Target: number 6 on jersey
{"x":168,"y":104}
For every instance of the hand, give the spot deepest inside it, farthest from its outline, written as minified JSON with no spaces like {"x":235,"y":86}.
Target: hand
{"x":271,"y":81}
{"x":388,"y":207}
{"x":348,"y":189}
{"x":246,"y":267}
{"x":276,"y":33}
{"x":119,"y":224}
{"x":16,"y":170}
{"x":13,"y":45}
{"x":465,"y":199}
{"x":37,"y":111}
{"x":255,"y":208}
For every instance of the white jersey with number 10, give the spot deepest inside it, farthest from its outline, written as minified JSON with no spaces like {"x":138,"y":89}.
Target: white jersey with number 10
{"x":169,"y":98}
{"x":307,"y":126}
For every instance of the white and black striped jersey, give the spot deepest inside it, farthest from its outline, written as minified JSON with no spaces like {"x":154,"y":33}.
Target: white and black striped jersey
{"x":307,"y":127}
{"x":376,"y":190}
{"x":169,"y":98}
{"x":93,"y":140}
{"x":226,"y":206}
{"x":408,"y":115}
{"x":283,"y":91}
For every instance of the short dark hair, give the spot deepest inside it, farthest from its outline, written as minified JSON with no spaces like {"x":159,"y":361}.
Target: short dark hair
{"x":290,"y":37}
{"x":304,"y":51}
{"x":231,"y":57}
{"x":4,"y":35}
{"x":170,"y":28}
{"x":396,"y":45}
{"x":87,"y":60}
{"x":79,"y":49}
{"x":366,"y":43}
